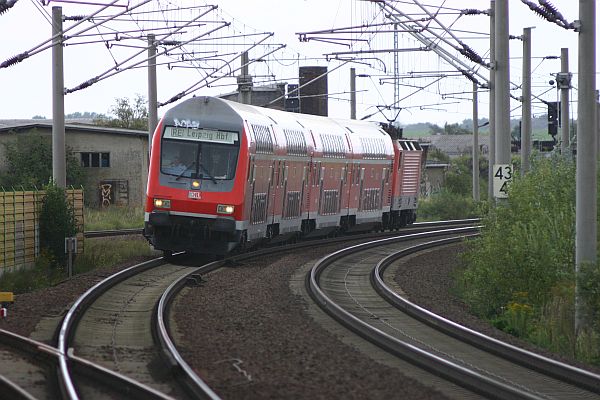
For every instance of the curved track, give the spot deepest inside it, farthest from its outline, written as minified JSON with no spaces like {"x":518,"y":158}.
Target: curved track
{"x":110,"y":325}
{"x":106,"y":347}
{"x":342,"y":284}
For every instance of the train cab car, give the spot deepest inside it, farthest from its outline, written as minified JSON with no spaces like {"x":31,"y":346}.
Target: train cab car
{"x":198,"y":165}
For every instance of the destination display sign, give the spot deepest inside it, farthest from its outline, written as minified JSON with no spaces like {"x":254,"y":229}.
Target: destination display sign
{"x":200,"y":135}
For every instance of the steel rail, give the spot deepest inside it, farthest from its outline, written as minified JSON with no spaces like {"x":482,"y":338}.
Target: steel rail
{"x":139,"y":231}
{"x":66,"y":333}
{"x":115,"y":232}
{"x":11,"y":390}
{"x":192,"y":382}
{"x":82,"y":366}
{"x":170,"y":354}
{"x":456,"y":373}
{"x":565,"y":372}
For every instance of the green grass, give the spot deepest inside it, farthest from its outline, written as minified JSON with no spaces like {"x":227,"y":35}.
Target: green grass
{"x":99,"y":253}
{"x":113,"y":218}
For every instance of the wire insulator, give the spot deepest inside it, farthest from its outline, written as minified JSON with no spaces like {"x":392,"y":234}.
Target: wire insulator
{"x":536,"y":9}
{"x":6,"y":4}
{"x":14,"y":60}
{"x":469,"y":76}
{"x":472,"y":11}
{"x":554,"y":11}
{"x":471,"y":55}
{"x":74,"y":18}
{"x":81,"y":86}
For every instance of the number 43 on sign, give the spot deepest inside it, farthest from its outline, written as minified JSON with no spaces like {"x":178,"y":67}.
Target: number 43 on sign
{"x":503,"y":175}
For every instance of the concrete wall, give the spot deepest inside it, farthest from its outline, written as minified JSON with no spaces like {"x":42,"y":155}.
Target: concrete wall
{"x":128,"y":151}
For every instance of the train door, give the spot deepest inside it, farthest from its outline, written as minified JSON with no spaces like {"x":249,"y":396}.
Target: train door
{"x":312,"y":196}
{"x":361,"y":181}
{"x":271,"y":195}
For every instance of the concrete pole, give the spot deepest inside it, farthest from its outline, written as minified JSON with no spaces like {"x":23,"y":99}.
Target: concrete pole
{"x":352,"y":93}
{"x":502,"y":84}
{"x":59,"y":168}
{"x":152,"y":90}
{"x":526,"y":103}
{"x":475,"y":145}
{"x":585,"y":203}
{"x":244,"y":81}
{"x":152,"y":110}
{"x":565,"y":134}
{"x":492,"y":117}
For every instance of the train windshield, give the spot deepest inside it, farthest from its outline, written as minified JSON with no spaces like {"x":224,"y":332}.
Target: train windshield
{"x":195,"y":153}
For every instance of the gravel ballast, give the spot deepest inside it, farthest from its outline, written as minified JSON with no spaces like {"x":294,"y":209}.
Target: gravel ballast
{"x":249,"y":335}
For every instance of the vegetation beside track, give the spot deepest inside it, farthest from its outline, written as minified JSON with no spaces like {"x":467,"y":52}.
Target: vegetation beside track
{"x":520,"y":274}
{"x":102,"y":219}
{"x":98,"y":252}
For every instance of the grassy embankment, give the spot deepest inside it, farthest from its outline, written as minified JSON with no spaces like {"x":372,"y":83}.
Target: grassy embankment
{"x":520,"y":274}
{"x":98,"y":252}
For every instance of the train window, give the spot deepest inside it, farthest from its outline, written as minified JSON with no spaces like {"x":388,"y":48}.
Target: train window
{"x":295,"y":142}
{"x":197,"y":159}
{"x":264,"y":141}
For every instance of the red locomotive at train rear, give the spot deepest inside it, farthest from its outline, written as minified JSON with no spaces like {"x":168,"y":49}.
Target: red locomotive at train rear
{"x":223,"y":174}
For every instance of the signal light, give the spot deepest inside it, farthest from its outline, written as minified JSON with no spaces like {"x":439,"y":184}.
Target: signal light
{"x":553,"y":118}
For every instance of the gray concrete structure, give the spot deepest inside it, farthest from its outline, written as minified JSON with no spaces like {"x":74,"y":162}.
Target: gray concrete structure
{"x":116,"y":160}
{"x":262,"y":96}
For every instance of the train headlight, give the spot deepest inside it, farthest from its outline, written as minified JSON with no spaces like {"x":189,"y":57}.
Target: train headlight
{"x":195,"y":184}
{"x":225,"y":209}
{"x":162,"y":203}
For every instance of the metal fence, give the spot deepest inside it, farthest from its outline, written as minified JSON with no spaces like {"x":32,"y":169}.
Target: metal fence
{"x":19,"y":226}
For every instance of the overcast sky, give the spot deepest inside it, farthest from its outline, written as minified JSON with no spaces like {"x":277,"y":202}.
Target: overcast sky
{"x":27,"y":89}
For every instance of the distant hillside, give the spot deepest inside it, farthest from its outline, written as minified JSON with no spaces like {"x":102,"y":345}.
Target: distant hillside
{"x":420,"y":129}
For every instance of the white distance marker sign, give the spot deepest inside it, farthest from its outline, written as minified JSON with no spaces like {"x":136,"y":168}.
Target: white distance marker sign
{"x":503,"y":175}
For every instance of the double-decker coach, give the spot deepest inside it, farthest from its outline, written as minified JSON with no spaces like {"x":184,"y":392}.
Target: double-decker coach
{"x":223,"y":174}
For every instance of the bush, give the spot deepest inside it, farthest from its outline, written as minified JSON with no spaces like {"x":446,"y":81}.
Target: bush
{"x":520,"y":273}
{"x":57,"y":221}
{"x":446,"y":205}
{"x":527,"y":243}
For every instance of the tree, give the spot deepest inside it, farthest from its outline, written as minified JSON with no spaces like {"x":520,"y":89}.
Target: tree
{"x":128,"y":114}
{"x":29,"y":163}
{"x":455,"y":129}
{"x":434,"y":129}
{"x":57,"y":222}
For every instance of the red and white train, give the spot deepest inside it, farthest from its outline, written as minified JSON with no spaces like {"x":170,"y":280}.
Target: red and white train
{"x":224,"y":174}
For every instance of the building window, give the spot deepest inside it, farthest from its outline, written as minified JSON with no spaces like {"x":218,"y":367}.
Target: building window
{"x":95,"y":160}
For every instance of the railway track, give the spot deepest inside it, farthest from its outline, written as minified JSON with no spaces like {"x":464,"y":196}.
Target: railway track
{"x":353,"y":285}
{"x":115,"y":343}
{"x":26,"y":361}
{"x":111,"y":324}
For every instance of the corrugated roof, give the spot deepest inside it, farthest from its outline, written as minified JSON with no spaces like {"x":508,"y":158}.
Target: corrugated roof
{"x":455,"y":145}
